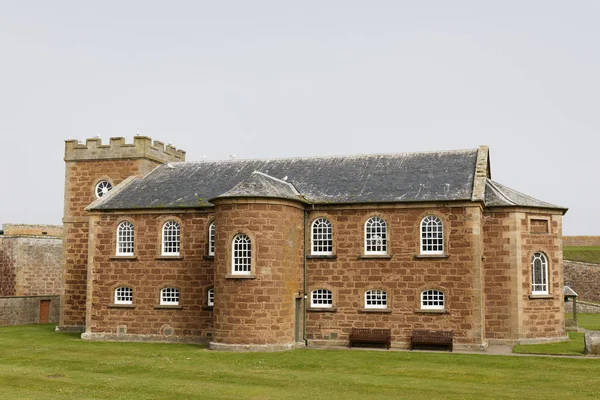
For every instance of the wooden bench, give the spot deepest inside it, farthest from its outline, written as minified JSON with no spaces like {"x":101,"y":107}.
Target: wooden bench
{"x":371,"y":335}
{"x":426,"y":337}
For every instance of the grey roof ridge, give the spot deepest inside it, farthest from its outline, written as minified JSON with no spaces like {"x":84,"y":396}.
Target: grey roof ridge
{"x":100,"y":200}
{"x":292,"y":187}
{"x":327,"y":157}
{"x":497,"y":190}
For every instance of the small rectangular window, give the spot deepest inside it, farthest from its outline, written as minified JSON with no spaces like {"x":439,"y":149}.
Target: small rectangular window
{"x":321,"y":298}
{"x":169,"y":296}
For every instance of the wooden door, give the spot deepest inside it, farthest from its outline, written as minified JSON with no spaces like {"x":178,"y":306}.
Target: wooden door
{"x":44,"y":311}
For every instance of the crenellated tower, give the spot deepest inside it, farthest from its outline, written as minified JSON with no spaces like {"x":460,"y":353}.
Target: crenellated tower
{"x":92,"y":169}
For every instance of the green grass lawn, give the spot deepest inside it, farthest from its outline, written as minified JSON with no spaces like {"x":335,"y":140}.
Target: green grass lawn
{"x":589,"y":254}
{"x":587,"y":321}
{"x":574,"y":346}
{"x":36,"y":363}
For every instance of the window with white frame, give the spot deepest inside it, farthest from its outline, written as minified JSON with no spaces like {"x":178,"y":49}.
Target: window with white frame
{"x":321,"y":298}
{"x":539,"y":274}
{"x":375,"y":298}
{"x":102,"y":188}
{"x":322,"y":237}
{"x":169,"y":296}
{"x":432,"y":235}
{"x":432,"y":300}
{"x":123,"y":295}
{"x":375,"y":236}
{"x":241,"y":255}
{"x":210,"y":294}
{"x":211,"y":239}
{"x":125,"y":238}
{"x":171,"y":238}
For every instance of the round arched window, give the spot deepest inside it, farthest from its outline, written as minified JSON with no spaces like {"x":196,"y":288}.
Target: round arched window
{"x":102,"y":188}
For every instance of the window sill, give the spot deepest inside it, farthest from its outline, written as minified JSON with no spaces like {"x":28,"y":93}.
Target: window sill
{"x":133,"y":258}
{"x":321,"y":257}
{"x":375,"y":257}
{"x":422,"y":311}
{"x":209,"y":258}
{"x":207,"y":308}
{"x":168,"y":307}
{"x":426,"y":256}
{"x":240,"y":276}
{"x":322,"y":309}
{"x":375,"y":310}
{"x":540,"y":296}
{"x":121,"y":306}
{"x":169,"y":258}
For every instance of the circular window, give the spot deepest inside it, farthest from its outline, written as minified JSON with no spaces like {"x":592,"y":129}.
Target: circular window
{"x":102,"y":188}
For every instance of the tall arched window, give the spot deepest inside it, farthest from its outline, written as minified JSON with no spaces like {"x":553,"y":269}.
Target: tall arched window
{"x":375,"y":298}
{"x":322,"y":237}
{"x":432,"y":300}
{"x":539,"y":274}
{"x":432,"y":235}
{"x":241,"y":255}
{"x":123,"y":295}
{"x":171,"y":238}
{"x":375,"y":236}
{"x":211,"y":239}
{"x":125,"y":239}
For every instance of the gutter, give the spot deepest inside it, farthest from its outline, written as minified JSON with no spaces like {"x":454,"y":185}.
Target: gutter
{"x":304,"y":290}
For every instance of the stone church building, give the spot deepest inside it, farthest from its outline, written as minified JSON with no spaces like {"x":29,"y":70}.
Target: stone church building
{"x":279,"y":253}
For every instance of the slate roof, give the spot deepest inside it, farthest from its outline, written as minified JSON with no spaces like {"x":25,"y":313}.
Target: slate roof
{"x":259,"y":184}
{"x":497,"y":195}
{"x":401,"y":177}
{"x":404,"y":177}
{"x":567,"y":291}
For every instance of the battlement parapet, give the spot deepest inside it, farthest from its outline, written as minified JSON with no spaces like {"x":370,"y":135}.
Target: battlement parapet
{"x":142,"y":147}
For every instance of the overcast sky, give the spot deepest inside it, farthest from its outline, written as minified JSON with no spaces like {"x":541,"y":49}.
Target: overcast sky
{"x":268,"y":79}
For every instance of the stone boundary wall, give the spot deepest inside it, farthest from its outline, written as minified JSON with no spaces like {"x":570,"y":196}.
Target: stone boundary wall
{"x":581,"y":240}
{"x":582,"y":307}
{"x":20,"y":310}
{"x":584,"y":279}
{"x":32,"y":230}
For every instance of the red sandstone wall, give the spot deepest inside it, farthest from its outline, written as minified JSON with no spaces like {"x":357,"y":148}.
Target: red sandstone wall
{"x":402,"y":275}
{"x":80,"y":180}
{"x":511,"y":238}
{"x":148,"y":272}
{"x":500,"y":284}
{"x":258,"y":311}
{"x":542,"y":317}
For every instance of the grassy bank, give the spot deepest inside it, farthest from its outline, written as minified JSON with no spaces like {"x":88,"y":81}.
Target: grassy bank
{"x":589,"y":254}
{"x":36,"y":363}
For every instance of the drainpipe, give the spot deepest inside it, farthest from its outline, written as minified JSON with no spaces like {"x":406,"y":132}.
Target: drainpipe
{"x":304,"y":291}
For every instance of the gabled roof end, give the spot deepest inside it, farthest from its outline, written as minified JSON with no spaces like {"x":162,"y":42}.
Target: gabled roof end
{"x":482,"y":173}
